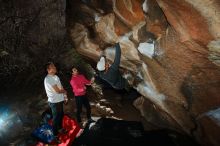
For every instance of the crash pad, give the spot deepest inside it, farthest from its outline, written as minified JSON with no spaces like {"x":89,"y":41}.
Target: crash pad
{"x":73,"y":129}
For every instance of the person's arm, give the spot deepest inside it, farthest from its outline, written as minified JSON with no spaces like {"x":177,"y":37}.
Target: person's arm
{"x":92,"y":80}
{"x":88,"y":82}
{"x":65,"y":99}
{"x":51,"y":82}
{"x":117,"y":59}
{"x":85,"y":81}
{"x":102,"y":54}
{"x":59,"y":90}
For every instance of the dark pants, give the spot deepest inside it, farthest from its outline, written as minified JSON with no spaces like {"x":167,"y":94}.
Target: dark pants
{"x":57,"y":112}
{"x":82,"y":101}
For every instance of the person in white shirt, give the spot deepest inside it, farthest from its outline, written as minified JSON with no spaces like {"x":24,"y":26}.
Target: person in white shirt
{"x":57,"y":95}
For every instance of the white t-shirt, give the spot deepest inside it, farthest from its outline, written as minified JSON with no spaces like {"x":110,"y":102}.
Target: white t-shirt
{"x":49,"y":82}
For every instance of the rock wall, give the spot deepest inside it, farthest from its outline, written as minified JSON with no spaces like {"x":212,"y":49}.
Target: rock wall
{"x":170,"y":50}
{"x":32,"y":33}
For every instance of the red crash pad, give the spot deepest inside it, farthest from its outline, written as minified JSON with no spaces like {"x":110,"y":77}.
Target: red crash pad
{"x":73,"y":130}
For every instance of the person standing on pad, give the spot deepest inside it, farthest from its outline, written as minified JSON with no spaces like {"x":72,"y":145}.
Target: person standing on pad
{"x":57,"y":95}
{"x":78,"y":83}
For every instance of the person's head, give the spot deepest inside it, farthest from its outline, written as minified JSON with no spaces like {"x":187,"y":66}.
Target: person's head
{"x":51,"y":68}
{"x":74,"y":71}
{"x":103,"y":64}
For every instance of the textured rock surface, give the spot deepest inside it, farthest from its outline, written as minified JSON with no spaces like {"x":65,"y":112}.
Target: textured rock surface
{"x":214,"y":51}
{"x":128,"y":11}
{"x":32,"y":32}
{"x":181,"y":78}
{"x":155,"y":18}
{"x":188,"y":21}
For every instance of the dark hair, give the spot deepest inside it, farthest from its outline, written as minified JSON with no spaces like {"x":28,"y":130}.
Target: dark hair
{"x":48,"y":64}
{"x":73,"y":67}
{"x":76,"y":66}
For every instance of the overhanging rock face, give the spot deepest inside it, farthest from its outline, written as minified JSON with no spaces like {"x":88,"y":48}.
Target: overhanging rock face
{"x":180,"y":75}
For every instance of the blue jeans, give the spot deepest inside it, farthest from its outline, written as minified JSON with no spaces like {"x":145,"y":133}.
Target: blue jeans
{"x":57,"y":112}
{"x":80,"y":101}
